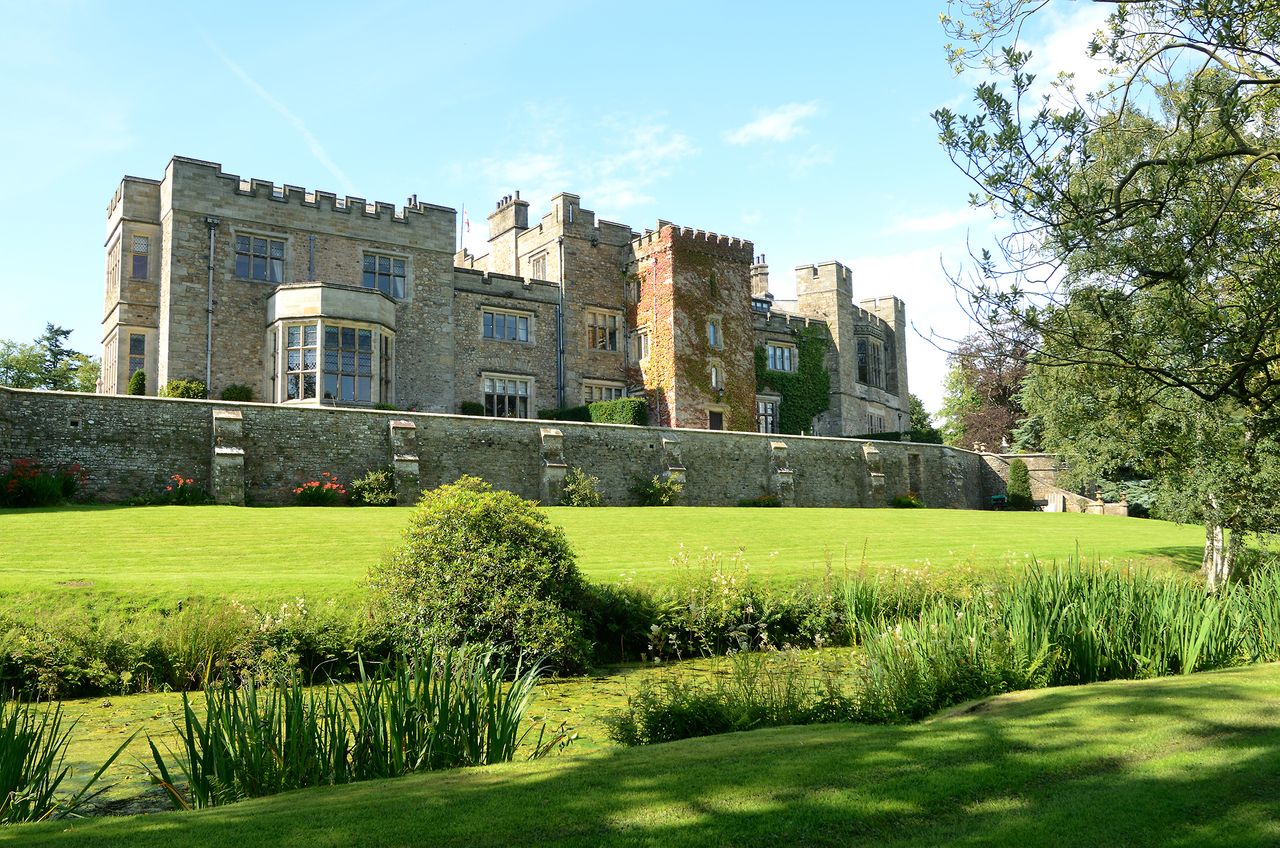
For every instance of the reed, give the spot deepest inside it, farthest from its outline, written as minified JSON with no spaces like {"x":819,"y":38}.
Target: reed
{"x":458,"y":707}
{"x":923,"y":648}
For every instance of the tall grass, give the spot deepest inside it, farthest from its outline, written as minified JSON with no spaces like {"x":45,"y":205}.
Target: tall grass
{"x":923,"y":650}
{"x":447,"y":709}
{"x":33,"y":751}
{"x":755,"y":689}
{"x":943,"y":656}
{"x":1061,"y":627}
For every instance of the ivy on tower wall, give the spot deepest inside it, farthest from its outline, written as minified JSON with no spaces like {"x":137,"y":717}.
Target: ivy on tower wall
{"x":806,"y":391}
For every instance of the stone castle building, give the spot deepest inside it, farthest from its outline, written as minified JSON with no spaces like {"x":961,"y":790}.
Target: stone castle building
{"x":312,"y":299}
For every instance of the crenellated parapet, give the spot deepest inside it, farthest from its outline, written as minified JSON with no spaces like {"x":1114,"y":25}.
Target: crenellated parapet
{"x":701,"y":240}
{"x":503,"y":285}
{"x":782,"y":322}
{"x":267,"y":191}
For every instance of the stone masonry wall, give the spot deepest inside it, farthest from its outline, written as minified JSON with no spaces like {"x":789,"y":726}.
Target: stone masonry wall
{"x":130,"y":445}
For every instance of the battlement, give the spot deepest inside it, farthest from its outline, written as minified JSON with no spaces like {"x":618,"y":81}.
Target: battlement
{"x":882,"y":304}
{"x":698,"y":239}
{"x":119,"y":196}
{"x":502,"y":284}
{"x":840,"y":273}
{"x":869,"y":319}
{"x":783,"y":322}
{"x":315,"y":199}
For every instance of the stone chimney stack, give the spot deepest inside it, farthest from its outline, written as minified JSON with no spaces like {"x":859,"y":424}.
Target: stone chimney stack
{"x":759,"y":277}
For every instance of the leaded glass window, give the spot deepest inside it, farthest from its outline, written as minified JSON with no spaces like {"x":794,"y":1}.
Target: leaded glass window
{"x":259,"y":258}
{"x":384,"y":273}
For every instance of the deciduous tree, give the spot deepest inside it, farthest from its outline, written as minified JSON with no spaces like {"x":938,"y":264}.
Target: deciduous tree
{"x":1141,"y":254}
{"x":984,"y":376}
{"x":47,"y":363}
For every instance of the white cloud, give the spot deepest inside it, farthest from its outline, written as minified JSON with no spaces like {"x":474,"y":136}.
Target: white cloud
{"x":1063,"y":47}
{"x":937,"y":222}
{"x":613,"y":176}
{"x":538,"y":174}
{"x":781,"y":124}
{"x":616,"y":180}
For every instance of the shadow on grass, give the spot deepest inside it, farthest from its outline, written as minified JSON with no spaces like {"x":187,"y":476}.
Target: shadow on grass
{"x":1185,"y":558}
{"x":72,"y":507}
{"x":1174,"y":762}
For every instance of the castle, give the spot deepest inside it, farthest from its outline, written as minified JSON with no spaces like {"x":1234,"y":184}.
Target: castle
{"x":311,"y":299}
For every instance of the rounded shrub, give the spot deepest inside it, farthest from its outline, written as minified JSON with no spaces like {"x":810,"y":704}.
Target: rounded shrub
{"x":1019,"y":488}
{"x":137,"y":383}
{"x":193,"y":389}
{"x":376,"y":488}
{"x":479,"y":566}
{"x":580,"y":489}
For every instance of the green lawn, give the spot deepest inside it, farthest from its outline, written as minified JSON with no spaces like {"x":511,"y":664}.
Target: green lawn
{"x":259,"y":555}
{"x":1189,"y":761}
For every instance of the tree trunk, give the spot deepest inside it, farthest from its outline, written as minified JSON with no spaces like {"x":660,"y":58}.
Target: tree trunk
{"x":1215,"y":563}
{"x":1234,"y":543}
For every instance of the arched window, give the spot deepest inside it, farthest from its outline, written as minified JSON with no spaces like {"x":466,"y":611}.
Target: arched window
{"x":713,"y":334}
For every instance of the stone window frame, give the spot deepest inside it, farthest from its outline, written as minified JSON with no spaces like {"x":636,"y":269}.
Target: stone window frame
{"x":137,"y":353}
{"x":364,"y":363}
{"x":615,"y":387}
{"x":393,"y":256}
{"x":772,"y":360}
{"x":108,"y":376}
{"x":715,"y":332}
{"x":771,"y":415}
{"x":251,"y":233}
{"x":715,"y":373}
{"x":144,"y":255}
{"x":641,"y":343}
{"x":538,"y":266}
{"x":382,"y":353}
{"x":302,"y":371}
{"x":870,"y":362}
{"x":605,"y":335}
{"x":516,"y":313}
{"x":115,"y":260}
{"x":723,"y":411}
{"x":488,"y":377}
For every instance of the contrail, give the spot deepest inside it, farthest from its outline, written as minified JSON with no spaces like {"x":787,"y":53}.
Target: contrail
{"x":313,"y":143}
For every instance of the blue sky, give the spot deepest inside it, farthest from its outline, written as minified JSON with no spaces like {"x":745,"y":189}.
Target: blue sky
{"x":803,"y":127}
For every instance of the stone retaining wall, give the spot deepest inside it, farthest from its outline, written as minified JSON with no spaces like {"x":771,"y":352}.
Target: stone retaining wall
{"x":258,"y":453}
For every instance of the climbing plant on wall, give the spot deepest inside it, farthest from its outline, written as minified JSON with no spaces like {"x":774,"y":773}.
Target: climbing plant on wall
{"x":806,"y":391}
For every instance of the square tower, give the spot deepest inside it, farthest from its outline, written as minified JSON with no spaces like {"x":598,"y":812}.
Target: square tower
{"x":695,"y":347}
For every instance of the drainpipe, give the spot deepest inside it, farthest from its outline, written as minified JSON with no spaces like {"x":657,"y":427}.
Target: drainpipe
{"x":560,"y":331}
{"x":212,"y":224}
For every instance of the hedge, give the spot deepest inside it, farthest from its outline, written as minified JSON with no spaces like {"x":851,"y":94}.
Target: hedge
{"x":568,"y":413}
{"x":622,"y":411}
